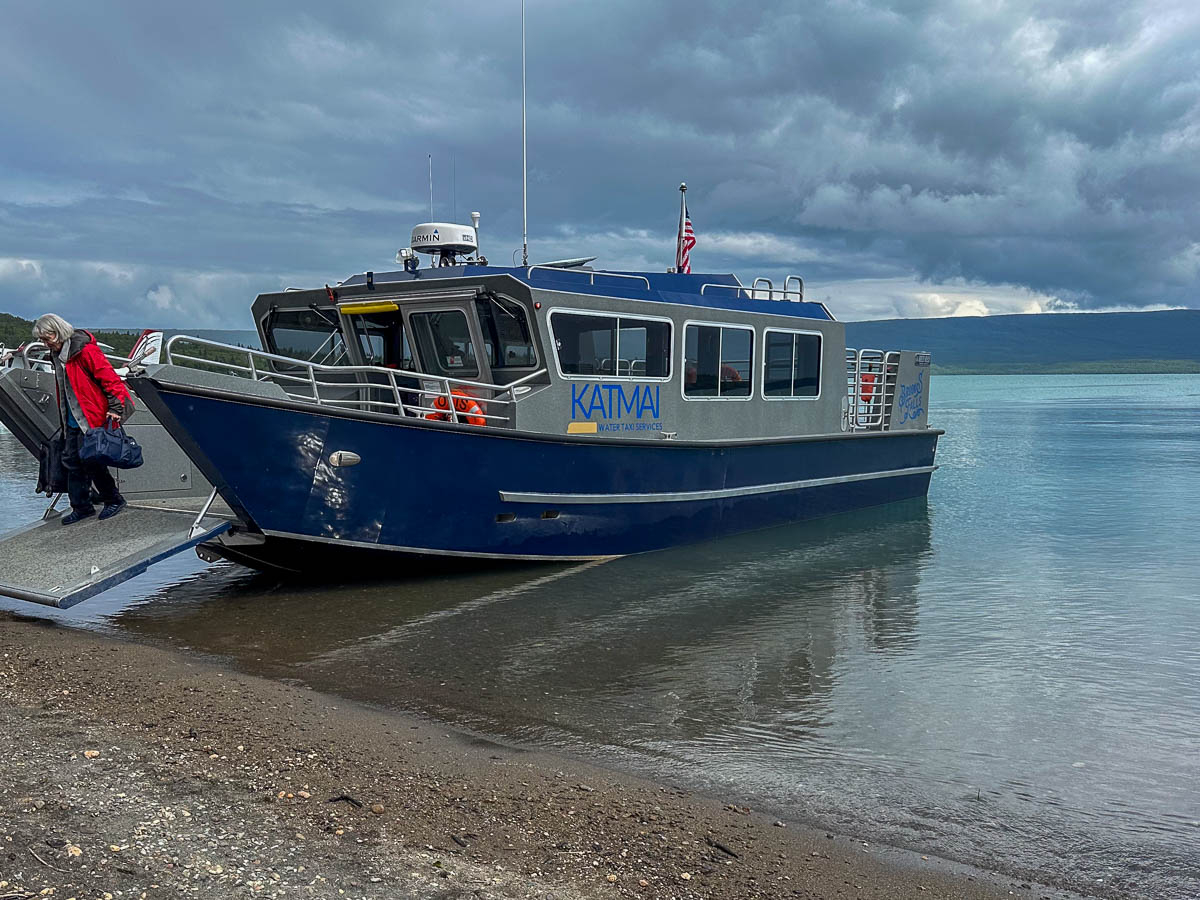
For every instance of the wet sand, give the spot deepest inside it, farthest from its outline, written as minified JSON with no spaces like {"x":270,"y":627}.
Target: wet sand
{"x":133,"y":771}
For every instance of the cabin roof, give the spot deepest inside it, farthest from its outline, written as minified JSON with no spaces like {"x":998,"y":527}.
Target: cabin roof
{"x":664,"y":287}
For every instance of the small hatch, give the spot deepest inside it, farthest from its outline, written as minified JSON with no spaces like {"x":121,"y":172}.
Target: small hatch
{"x":550,"y":514}
{"x":505,"y":517}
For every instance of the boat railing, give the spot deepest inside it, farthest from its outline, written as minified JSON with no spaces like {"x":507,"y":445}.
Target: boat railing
{"x":591,"y":276}
{"x":764,"y":289}
{"x":36,"y":354}
{"x":401,"y":393}
{"x":870,"y":387}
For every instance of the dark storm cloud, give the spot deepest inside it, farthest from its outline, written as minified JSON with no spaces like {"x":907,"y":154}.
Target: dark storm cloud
{"x":166,"y":165}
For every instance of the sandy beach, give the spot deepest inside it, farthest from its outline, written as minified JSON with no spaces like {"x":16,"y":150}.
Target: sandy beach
{"x":131,"y":771}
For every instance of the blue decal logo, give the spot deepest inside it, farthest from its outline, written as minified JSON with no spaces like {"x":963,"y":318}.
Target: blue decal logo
{"x":911,"y":399}
{"x":614,"y":404}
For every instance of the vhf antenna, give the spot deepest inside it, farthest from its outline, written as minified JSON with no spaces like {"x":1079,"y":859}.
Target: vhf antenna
{"x":524,"y":157}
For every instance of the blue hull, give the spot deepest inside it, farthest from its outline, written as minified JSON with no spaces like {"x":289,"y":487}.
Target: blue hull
{"x":430,"y":489}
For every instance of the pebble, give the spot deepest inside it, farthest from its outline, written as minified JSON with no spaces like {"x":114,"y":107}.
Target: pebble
{"x":91,"y":754}
{"x":612,"y":879}
{"x":377,"y":808}
{"x":686,"y":876}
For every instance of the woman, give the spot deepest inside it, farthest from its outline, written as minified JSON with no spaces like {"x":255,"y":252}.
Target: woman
{"x":90,"y":395}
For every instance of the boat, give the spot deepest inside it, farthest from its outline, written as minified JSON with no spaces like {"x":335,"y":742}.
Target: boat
{"x":462,"y":413}
{"x":469,"y":412}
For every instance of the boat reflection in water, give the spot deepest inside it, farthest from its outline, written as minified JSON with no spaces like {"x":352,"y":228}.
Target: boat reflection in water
{"x":704,"y":643}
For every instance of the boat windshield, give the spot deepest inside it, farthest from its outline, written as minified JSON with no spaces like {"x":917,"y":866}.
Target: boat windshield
{"x":384,"y":341}
{"x":443,"y":339}
{"x":507,"y":342}
{"x":308,"y":334}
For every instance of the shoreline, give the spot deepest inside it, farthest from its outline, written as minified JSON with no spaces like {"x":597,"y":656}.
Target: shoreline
{"x":140,"y":771}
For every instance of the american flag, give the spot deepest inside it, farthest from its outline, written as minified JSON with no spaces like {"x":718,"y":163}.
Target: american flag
{"x":687,"y":240}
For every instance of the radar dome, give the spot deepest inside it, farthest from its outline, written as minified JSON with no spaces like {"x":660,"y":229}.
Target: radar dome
{"x":444,"y":237}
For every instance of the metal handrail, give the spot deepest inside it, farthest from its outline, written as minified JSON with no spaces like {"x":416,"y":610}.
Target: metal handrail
{"x":874,"y":413}
{"x":591,"y":275}
{"x":442,"y":385}
{"x":772,"y":291}
{"x":41,"y":347}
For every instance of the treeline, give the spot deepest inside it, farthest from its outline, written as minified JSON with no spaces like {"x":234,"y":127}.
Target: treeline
{"x":15,"y":331}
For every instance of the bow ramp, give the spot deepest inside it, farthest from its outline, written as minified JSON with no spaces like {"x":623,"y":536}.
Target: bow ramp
{"x":58,"y":565}
{"x":47,"y":562}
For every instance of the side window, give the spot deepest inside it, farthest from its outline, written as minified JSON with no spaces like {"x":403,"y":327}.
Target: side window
{"x":594,"y":345}
{"x":717,"y":361}
{"x":792,"y":364}
{"x":444,"y":341}
{"x":306,"y":334}
{"x":507,"y":340}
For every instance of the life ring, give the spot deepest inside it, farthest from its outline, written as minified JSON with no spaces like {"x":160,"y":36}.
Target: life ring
{"x":867,"y":386}
{"x":466,"y":406}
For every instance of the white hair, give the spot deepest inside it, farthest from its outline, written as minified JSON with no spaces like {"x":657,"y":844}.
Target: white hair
{"x":55,"y":325}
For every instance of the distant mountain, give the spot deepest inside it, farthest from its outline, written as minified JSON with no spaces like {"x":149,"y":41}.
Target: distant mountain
{"x":1167,"y":341}
{"x":1049,"y":342}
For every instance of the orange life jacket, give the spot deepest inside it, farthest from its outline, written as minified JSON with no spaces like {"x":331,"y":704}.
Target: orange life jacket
{"x":867,"y":390}
{"x":467,"y":407}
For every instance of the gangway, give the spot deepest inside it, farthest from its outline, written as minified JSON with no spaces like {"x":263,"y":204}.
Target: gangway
{"x":56,"y":565}
{"x":45,"y":562}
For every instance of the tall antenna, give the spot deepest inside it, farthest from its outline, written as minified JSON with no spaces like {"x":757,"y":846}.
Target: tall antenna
{"x":431,"y":187}
{"x":454,"y":188}
{"x":524,"y":157}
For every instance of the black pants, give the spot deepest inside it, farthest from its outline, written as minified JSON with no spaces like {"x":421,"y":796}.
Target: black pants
{"x":82,"y":475}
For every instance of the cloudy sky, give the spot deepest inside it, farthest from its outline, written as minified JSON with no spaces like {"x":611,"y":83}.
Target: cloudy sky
{"x":161,"y":164}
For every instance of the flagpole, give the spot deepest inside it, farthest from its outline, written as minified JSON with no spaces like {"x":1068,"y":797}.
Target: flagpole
{"x":682,"y":216}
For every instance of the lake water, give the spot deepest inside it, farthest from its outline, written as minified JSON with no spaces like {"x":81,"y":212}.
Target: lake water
{"x":1008,"y":674}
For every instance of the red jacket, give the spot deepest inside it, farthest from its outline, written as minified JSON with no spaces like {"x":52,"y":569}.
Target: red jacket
{"x":96,"y":385}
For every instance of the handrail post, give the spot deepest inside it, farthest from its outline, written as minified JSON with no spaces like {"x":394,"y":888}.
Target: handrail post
{"x":312,"y":377}
{"x":396,"y":394}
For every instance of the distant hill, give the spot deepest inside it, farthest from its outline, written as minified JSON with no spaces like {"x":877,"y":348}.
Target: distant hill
{"x":1167,"y":341}
{"x":1051,"y":343}
{"x":15,"y":331}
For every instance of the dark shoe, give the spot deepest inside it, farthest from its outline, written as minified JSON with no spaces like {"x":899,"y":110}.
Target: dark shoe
{"x":76,"y":514}
{"x":112,"y":509}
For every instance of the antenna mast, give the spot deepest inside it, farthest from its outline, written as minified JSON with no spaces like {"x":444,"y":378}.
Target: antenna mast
{"x":524,"y":157}
{"x":431,"y":186}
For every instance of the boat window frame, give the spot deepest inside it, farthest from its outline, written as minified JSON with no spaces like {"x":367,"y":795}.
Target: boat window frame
{"x":352,"y":323}
{"x":482,"y":374}
{"x":710,"y":324}
{"x":601,"y":314}
{"x":820,"y":336}
{"x":268,"y":334}
{"x":496,"y":298}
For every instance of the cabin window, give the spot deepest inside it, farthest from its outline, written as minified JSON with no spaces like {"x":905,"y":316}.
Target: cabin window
{"x":444,"y":341}
{"x":384,"y":341}
{"x":717,"y":361}
{"x":791,"y":364}
{"x":611,"y":346}
{"x":507,"y":341}
{"x":309,"y":334}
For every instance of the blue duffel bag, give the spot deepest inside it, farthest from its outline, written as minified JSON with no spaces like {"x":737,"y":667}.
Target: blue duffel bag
{"x":110,"y":446}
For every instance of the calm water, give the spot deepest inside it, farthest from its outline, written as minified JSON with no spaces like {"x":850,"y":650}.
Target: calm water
{"x":1007,"y":675}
